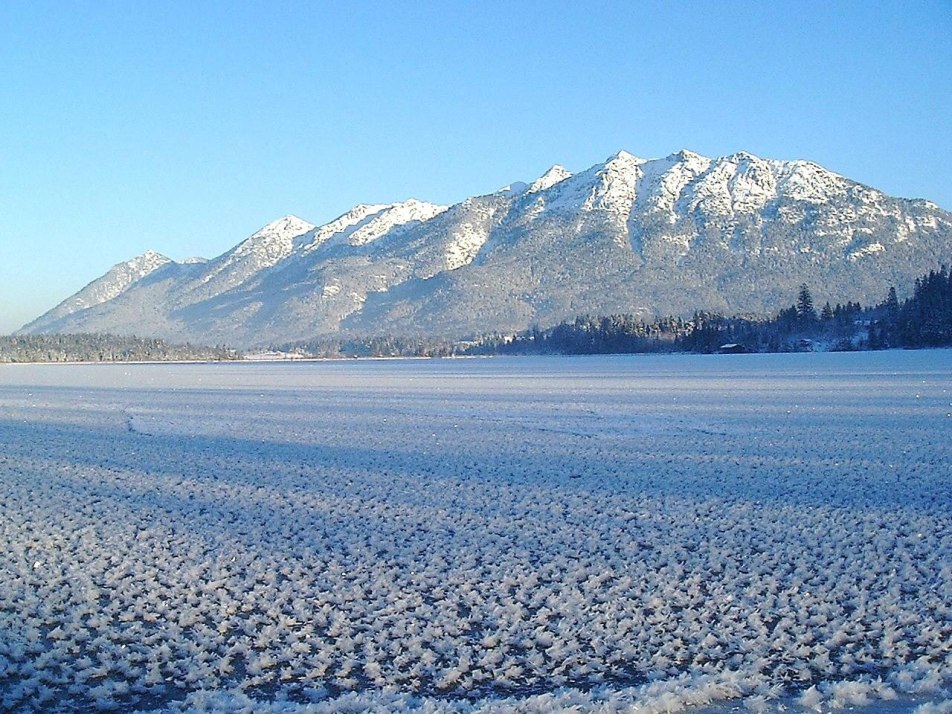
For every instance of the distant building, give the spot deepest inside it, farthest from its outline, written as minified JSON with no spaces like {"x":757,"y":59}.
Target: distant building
{"x":732,"y":348}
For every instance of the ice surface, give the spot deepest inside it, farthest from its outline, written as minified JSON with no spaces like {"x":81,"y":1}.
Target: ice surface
{"x":545,"y":534}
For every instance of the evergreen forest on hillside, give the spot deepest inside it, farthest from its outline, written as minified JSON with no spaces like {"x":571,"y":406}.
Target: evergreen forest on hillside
{"x":924,"y":319}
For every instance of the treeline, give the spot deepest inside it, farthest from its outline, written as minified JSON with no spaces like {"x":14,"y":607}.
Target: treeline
{"x":922,"y":320}
{"x":589,"y":334}
{"x":104,"y":348}
{"x":373,"y":346}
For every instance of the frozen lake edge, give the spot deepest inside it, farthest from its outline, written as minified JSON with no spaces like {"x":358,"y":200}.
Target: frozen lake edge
{"x":364,"y":484}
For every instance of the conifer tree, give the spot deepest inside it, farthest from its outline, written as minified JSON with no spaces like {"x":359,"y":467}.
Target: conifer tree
{"x":806,"y":313}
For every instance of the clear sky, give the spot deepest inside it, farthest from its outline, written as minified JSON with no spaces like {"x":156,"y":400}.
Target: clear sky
{"x":186,"y":126}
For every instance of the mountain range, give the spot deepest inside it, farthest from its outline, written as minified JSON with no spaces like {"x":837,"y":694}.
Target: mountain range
{"x":650,"y":237}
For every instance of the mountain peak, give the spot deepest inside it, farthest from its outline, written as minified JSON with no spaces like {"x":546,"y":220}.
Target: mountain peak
{"x":287,"y":218}
{"x":685,"y":155}
{"x":622,"y":164}
{"x":623,"y":155}
{"x":415,"y":204}
{"x":739,"y":156}
{"x":551,"y":177}
{"x":266,"y":247}
{"x":113,"y":283}
{"x":364,"y":209}
{"x":147,"y":262}
{"x":289,"y":225}
{"x":274,"y":241}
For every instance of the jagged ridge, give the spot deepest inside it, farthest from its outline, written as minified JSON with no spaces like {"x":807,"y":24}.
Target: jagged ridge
{"x":648,"y":236}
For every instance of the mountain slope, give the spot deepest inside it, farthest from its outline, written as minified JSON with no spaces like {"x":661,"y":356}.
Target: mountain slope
{"x":658,"y":236}
{"x":116,"y":280}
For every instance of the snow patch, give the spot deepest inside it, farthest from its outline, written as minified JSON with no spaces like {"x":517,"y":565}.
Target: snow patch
{"x":870,"y":249}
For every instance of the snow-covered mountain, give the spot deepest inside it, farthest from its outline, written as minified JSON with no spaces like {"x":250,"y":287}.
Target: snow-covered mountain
{"x":268,"y":246}
{"x":103,"y":289}
{"x":649,"y":236}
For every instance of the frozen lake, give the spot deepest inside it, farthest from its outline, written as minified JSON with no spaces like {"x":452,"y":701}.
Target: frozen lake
{"x":606,"y":533}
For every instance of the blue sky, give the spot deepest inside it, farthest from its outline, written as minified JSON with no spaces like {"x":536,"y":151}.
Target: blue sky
{"x":185,"y":126}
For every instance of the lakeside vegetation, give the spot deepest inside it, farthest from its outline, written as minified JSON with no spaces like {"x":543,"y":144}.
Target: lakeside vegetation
{"x":924,"y":319}
{"x":105,"y":348}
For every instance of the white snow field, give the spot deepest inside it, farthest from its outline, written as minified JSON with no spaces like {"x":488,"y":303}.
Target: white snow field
{"x":610,"y":534}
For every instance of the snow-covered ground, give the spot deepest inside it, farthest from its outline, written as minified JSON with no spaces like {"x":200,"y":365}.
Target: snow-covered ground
{"x":607,"y":534}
